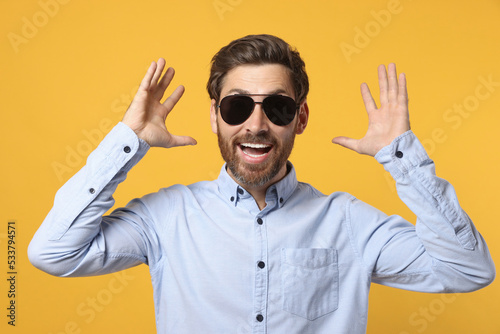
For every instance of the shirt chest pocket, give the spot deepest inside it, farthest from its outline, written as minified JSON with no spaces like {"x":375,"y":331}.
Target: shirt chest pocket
{"x":310,"y":281}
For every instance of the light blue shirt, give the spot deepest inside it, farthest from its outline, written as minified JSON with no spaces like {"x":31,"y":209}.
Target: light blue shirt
{"x":303,"y":264}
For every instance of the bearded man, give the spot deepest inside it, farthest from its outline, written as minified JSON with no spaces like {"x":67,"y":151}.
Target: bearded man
{"x":256,"y":251}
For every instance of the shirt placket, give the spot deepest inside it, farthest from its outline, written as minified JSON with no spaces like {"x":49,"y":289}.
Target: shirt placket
{"x":261,"y":274}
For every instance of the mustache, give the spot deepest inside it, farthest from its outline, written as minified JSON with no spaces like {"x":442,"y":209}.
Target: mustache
{"x":257,"y":138}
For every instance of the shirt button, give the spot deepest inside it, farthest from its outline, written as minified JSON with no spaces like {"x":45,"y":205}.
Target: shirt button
{"x":126,"y":149}
{"x":261,"y":264}
{"x":92,"y":190}
{"x":399,"y":154}
{"x":240,"y":191}
{"x":281,"y":199}
{"x":259,"y":221}
{"x":259,"y":317}
{"x":232,"y":198}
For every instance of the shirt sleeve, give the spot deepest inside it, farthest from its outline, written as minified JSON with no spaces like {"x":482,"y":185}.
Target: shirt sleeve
{"x":442,"y":252}
{"x":74,"y":239}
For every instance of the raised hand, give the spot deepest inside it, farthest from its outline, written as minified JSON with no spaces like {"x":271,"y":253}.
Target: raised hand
{"x":387,"y":122}
{"x":146,"y":115}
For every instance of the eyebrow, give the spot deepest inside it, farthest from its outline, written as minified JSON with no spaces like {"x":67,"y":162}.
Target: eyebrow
{"x":245,"y":92}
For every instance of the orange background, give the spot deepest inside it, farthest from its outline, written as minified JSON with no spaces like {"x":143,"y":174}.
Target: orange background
{"x":70,"y":68}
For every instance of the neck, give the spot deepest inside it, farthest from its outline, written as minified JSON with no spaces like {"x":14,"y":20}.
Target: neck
{"x":259,"y":192}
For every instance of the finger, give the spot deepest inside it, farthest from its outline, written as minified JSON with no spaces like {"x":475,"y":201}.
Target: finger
{"x":382,"y":84}
{"x":183,"y":140}
{"x":159,"y":69}
{"x":346,"y":142}
{"x":393,"y":82}
{"x":165,"y":82}
{"x":145,"y":83}
{"x":368,"y":100}
{"x":172,"y":100}
{"x":402,"y":91}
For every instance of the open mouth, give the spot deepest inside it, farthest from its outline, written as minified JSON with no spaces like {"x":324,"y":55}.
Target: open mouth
{"x":255,"y":150}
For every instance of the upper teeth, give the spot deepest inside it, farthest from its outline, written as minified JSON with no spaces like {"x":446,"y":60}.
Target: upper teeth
{"x":254,"y":145}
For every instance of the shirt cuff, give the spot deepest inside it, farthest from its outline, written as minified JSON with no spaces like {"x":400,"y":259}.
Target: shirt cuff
{"x":132,"y":147}
{"x":403,"y":155}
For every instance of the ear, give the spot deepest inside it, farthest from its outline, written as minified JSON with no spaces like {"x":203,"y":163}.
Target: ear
{"x":303,"y":118}
{"x":213,"y":116}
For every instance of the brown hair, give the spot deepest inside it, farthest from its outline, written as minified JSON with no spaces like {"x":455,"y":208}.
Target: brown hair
{"x":258,"y":50}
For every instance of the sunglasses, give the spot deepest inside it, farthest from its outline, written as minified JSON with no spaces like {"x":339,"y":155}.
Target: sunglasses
{"x":279,"y":109}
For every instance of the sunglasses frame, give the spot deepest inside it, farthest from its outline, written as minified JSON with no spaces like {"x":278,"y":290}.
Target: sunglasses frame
{"x":297,"y":107}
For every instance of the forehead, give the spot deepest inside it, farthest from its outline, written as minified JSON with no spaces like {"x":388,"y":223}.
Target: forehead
{"x":258,"y":79}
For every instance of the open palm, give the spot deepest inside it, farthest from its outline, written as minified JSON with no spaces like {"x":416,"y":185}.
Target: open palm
{"x":387,"y":122}
{"x":146,"y":114}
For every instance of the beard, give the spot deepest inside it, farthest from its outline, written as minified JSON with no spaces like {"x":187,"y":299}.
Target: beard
{"x":255,"y":175}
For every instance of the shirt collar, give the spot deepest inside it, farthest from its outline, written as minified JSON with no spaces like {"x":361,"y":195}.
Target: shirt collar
{"x":279,"y":192}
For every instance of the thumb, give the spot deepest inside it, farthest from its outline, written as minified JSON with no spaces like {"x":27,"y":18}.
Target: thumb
{"x":183,"y":141}
{"x":346,"y":142}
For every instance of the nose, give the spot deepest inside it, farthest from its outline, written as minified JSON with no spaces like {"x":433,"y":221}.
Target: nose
{"x":257,"y":122}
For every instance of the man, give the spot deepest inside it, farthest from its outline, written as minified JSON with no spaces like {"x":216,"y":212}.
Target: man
{"x":256,"y":251}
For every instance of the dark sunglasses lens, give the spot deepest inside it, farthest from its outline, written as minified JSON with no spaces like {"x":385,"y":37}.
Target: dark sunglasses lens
{"x":279,"y":109}
{"x":235,"y":109}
